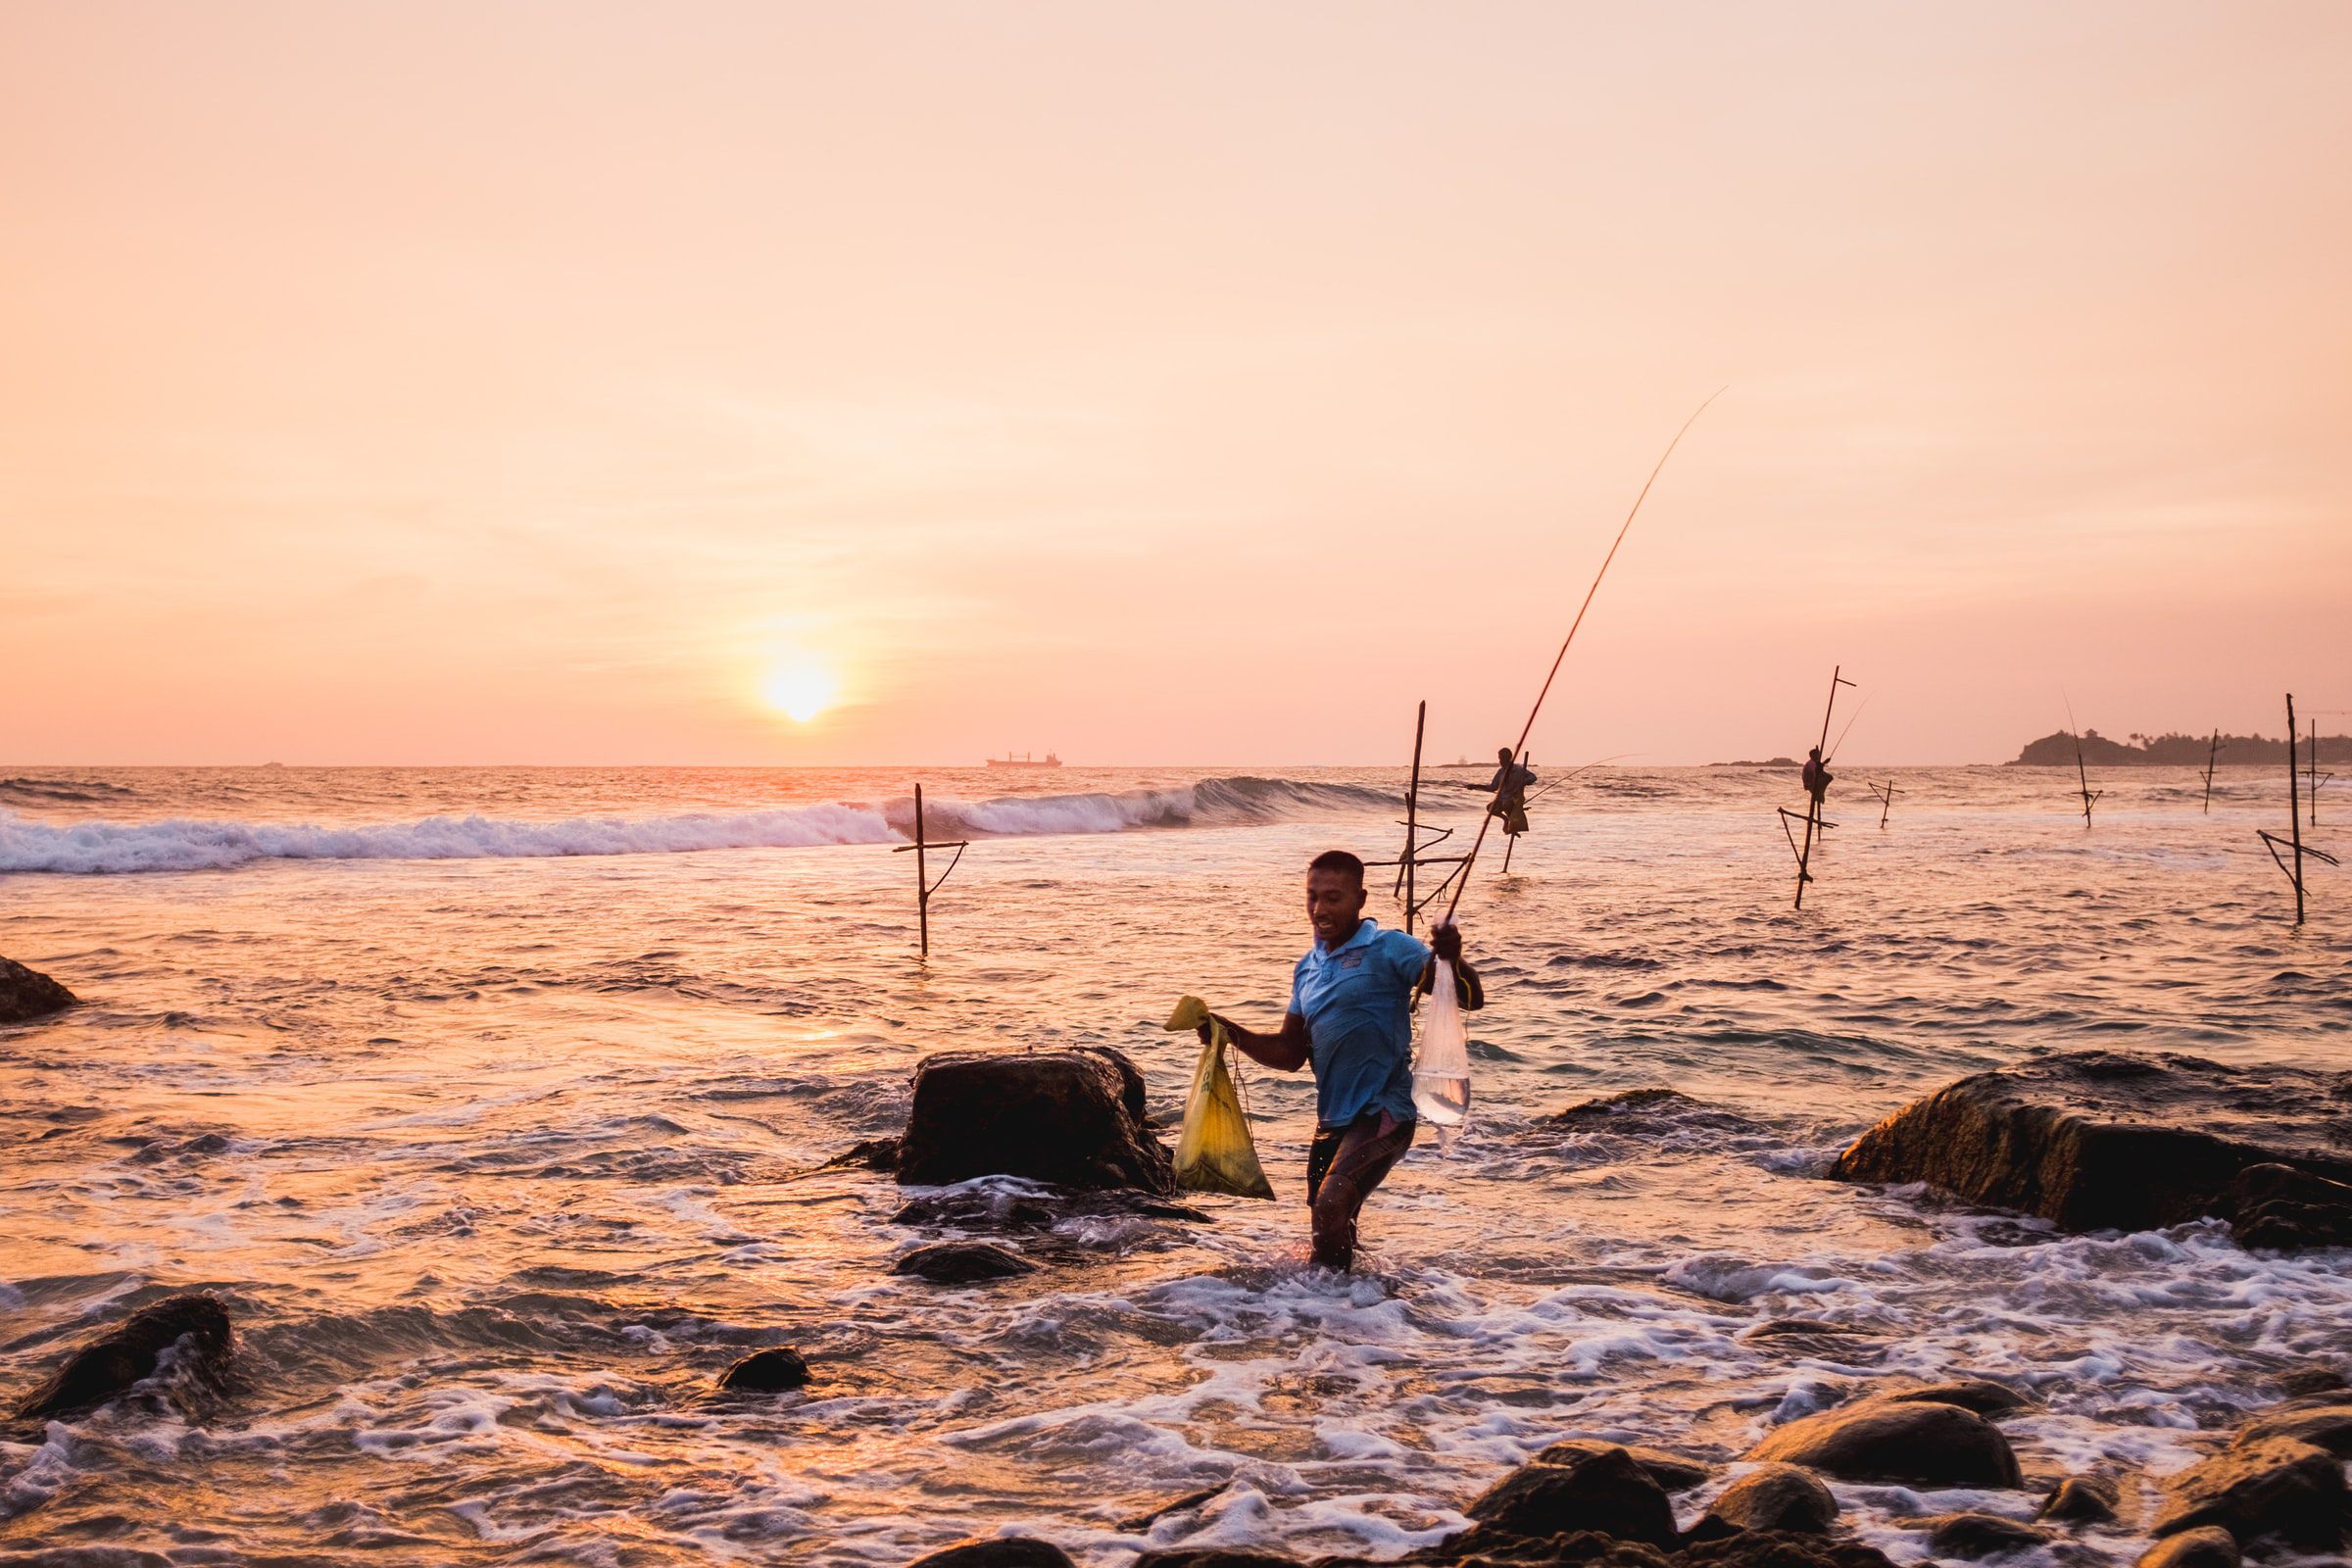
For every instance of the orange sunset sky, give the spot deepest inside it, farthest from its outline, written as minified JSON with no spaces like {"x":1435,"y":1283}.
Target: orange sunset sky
{"x":587,"y":383}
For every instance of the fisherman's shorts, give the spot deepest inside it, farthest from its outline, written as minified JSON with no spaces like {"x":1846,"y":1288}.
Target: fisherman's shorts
{"x":1343,"y":1167}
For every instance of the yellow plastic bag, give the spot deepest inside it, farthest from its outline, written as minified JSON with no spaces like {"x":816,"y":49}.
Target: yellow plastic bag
{"x":1214,"y":1153}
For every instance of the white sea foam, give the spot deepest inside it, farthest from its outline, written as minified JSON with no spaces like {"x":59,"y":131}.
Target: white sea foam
{"x":209,"y":844}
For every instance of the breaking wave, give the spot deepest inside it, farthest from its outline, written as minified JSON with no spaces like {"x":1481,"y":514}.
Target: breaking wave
{"x":203,"y":844}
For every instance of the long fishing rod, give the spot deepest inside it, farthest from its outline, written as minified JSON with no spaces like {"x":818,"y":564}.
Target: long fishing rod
{"x":1570,"y":778}
{"x":1529,"y":729}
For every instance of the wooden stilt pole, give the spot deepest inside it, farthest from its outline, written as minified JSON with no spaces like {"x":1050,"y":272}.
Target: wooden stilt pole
{"x":1805,"y":856}
{"x":2293,"y":814}
{"x":2213,"y":755}
{"x":1885,"y":793}
{"x":2312,"y":759}
{"x":1412,"y":816}
{"x":922,"y":879}
{"x":924,"y":887}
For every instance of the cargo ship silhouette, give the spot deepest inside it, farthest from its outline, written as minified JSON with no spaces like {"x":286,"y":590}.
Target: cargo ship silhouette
{"x":1025,"y":760}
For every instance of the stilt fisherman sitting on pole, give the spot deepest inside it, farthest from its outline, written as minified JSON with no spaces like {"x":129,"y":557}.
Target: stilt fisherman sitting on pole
{"x":1817,"y":779}
{"x":1508,"y":786}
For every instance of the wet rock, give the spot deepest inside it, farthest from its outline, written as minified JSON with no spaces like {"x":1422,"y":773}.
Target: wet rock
{"x":2209,"y":1547}
{"x":980,"y":1209}
{"x":1984,"y":1534}
{"x":2099,"y":1138}
{"x":1605,"y":1492}
{"x":961,"y":1263}
{"x":773,"y":1369}
{"x":1778,"y":1548}
{"x":1580,"y":1549}
{"x":1671,"y":1471}
{"x":2280,"y":1210}
{"x":1806,"y":1332}
{"x":1135,"y":1524}
{"x":2080,"y":1501}
{"x":1986,"y":1399}
{"x":1933,"y":1444}
{"x":1771,"y":1496}
{"x":1639,"y":1111}
{"x":2323,"y":1425}
{"x":27,"y":994}
{"x":870,"y":1153}
{"x":195,"y":1327}
{"x":1215,"y":1557}
{"x":1004,"y":1552}
{"x":2319,"y":1377}
{"x":2268,"y":1487}
{"x":1074,"y":1119}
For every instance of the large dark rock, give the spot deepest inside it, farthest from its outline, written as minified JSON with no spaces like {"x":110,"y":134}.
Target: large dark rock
{"x":2283,"y":1209}
{"x":2100,"y":1139}
{"x":1071,"y":1117}
{"x":1004,"y":1552}
{"x":2270,"y":1487}
{"x":961,"y":1263}
{"x":1876,"y":1440}
{"x":1671,"y":1471}
{"x":1605,"y":1492}
{"x":2208,"y":1548}
{"x":26,"y":994}
{"x":772,"y":1370}
{"x":196,"y":1324}
{"x":1772,"y":1496}
{"x":1215,"y":1557}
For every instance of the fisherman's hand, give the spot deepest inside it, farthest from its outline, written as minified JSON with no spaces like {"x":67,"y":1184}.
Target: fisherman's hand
{"x":1203,"y":1029}
{"x":1446,"y":941}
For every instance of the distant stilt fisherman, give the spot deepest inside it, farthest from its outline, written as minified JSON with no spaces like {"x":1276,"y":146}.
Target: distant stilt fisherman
{"x":1818,"y":779}
{"x":1508,"y":786}
{"x":1351,"y":1016}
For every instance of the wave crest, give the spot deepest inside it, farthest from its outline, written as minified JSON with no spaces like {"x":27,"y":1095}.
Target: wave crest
{"x":189,"y":844}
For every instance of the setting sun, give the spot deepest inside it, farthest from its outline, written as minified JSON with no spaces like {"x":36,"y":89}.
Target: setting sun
{"x":800,"y":690}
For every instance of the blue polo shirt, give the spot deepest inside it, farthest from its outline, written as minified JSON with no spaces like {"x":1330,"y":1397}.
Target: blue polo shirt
{"x":1358,"y":1001}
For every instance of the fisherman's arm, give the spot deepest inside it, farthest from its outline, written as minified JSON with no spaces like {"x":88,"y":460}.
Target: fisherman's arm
{"x":1285,"y":1051}
{"x":1446,"y":942}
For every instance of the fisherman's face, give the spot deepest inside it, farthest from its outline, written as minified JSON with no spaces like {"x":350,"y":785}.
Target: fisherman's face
{"x":1335,"y":901}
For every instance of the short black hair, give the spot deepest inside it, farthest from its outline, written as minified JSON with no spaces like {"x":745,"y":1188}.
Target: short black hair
{"x":1339,"y":861}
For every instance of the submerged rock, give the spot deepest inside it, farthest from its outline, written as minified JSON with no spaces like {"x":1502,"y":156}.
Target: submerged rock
{"x":867,"y":1153}
{"x":1649,"y":1110}
{"x":1135,"y":1524}
{"x":961,"y":1263}
{"x":978,"y":1210}
{"x":2080,"y":1500}
{"x":1074,"y":1119}
{"x":2280,"y":1208}
{"x":771,"y":1370}
{"x":195,"y":1325}
{"x":2268,"y":1487}
{"x":1984,"y":1534}
{"x":2099,"y":1139}
{"x":1004,"y":1552}
{"x":1879,"y":1440}
{"x":1605,"y":1492}
{"x":1984,"y":1396}
{"x":1223,"y":1557}
{"x":1779,"y":1549}
{"x":2208,"y":1548}
{"x":27,"y":994}
{"x":1671,"y":1471}
{"x":1772,"y":1496}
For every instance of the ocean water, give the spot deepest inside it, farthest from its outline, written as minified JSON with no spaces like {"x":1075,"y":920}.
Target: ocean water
{"x":491,"y":1102}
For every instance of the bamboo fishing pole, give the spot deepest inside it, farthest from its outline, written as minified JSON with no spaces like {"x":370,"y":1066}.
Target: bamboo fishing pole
{"x":1529,"y":729}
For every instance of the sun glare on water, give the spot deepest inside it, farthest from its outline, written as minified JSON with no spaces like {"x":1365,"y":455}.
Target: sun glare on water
{"x":800,"y":690}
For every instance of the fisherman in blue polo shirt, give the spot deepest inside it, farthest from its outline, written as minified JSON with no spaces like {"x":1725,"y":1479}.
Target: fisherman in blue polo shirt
{"x":1350,"y":1015}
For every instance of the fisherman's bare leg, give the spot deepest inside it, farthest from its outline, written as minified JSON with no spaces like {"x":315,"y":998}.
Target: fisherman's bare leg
{"x":1342,"y":1170}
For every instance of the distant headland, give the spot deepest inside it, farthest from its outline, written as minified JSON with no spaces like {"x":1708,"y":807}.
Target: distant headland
{"x":2170,"y":751}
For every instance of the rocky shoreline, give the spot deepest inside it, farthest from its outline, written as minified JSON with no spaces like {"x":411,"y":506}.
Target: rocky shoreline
{"x":2086,"y":1141}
